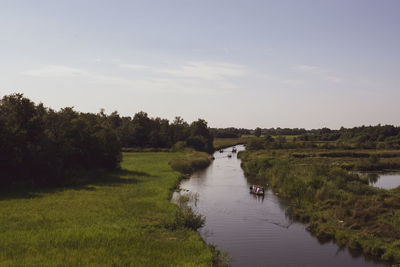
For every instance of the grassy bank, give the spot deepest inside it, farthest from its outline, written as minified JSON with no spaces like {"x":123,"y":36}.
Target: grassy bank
{"x":336,"y":203}
{"x":220,"y":143}
{"x":125,"y":219}
{"x":190,"y":162}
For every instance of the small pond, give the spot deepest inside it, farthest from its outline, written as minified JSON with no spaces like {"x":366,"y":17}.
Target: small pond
{"x":385,"y":180}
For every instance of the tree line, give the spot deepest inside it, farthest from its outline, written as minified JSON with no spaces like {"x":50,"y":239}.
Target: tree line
{"x":230,"y":132}
{"x":369,"y":137}
{"x":44,"y":146}
{"x":365,"y":137}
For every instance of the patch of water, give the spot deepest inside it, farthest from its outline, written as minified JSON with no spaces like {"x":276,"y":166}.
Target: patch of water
{"x":385,"y":180}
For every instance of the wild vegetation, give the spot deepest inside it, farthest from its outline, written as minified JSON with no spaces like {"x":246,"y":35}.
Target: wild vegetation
{"x":192,"y":161}
{"x":41,"y":146}
{"x":320,"y":180}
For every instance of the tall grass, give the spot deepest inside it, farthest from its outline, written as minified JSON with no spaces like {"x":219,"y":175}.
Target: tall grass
{"x":190,"y":162}
{"x":336,"y":203}
{"x":120,"y":222}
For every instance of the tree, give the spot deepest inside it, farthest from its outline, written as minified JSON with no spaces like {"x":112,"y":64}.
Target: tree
{"x":200,"y":136}
{"x":141,"y":129}
{"x":257,"y":132}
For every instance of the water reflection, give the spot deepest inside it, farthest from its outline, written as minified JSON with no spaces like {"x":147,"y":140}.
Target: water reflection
{"x":257,"y":230}
{"x":384,"y":180}
{"x":372,"y":178}
{"x":258,"y":198}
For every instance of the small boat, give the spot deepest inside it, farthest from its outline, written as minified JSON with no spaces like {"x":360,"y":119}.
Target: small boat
{"x":256,"y":189}
{"x":234,"y":150}
{"x":229,"y":156}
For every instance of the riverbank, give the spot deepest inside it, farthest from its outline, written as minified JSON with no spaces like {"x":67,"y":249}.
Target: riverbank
{"x":337,"y":204}
{"x":190,"y":162}
{"x":123,"y":220}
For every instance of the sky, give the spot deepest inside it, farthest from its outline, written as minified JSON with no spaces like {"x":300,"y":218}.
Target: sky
{"x":235,"y":63}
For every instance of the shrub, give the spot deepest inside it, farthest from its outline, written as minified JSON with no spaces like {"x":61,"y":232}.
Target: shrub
{"x":186,"y":217}
{"x":179,"y":146}
{"x":254,"y":144}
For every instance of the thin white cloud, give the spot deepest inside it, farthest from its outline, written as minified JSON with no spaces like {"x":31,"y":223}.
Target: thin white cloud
{"x":135,"y":66}
{"x":189,"y":78}
{"x":292,"y":82}
{"x":192,"y":76}
{"x":207,"y":70}
{"x":319,"y":72}
{"x":307,"y":68}
{"x":55,"y":71}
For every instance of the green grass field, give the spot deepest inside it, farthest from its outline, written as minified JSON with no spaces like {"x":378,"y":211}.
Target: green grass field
{"x":121,"y":221}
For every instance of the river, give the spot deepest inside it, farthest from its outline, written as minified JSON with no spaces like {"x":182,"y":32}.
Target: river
{"x":256,"y":231}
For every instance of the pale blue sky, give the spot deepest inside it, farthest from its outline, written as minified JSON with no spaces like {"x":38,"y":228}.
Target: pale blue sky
{"x":234,"y":63}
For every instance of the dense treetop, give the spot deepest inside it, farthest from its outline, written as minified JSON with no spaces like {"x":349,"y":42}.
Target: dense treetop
{"x":41,"y":145}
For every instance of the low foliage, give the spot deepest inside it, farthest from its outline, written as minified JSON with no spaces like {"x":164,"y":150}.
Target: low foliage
{"x":191,"y":162}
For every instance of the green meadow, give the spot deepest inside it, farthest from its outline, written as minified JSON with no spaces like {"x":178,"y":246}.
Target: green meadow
{"x":123,"y":219}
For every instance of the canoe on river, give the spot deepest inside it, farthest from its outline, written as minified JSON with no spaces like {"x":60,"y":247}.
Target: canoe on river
{"x":256,"y":189}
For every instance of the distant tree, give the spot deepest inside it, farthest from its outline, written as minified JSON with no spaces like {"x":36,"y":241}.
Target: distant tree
{"x":200,"y":136}
{"x":141,"y":129}
{"x":179,"y":130}
{"x":257,"y":132}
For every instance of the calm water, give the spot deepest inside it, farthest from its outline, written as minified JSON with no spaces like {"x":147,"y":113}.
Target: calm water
{"x":384,"y":180}
{"x":256,"y":231}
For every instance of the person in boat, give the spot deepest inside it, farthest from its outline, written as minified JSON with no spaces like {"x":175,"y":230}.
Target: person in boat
{"x":257,"y":189}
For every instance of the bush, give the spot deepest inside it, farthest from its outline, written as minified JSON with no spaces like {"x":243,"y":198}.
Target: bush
{"x":254,"y":144}
{"x":186,"y":217}
{"x":179,"y":146}
{"x":192,"y":220}
{"x":191,"y":162}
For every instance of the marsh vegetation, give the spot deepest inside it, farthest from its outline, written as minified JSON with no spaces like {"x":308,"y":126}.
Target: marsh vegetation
{"x":320,"y":180}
